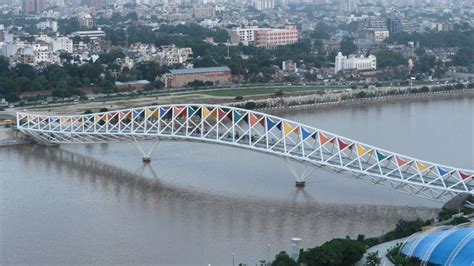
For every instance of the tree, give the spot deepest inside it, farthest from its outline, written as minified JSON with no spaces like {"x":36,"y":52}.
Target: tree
{"x":348,"y":46}
{"x":335,"y":252}
{"x":373,"y":259}
{"x":4,"y":65}
{"x":464,"y":57}
{"x":250,"y":105}
{"x":282,"y":259}
{"x":386,"y":58}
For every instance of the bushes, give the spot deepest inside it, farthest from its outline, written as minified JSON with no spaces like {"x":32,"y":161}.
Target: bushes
{"x":335,"y":252}
{"x":446,"y":213}
{"x":373,"y":259}
{"x":459,"y":220}
{"x":405,"y":228}
{"x":282,"y":259}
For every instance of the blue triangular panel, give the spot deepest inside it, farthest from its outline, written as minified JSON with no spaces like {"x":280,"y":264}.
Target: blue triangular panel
{"x":442,"y":171}
{"x":306,"y":134}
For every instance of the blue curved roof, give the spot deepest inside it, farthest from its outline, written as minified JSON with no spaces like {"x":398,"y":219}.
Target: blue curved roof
{"x":452,"y":246}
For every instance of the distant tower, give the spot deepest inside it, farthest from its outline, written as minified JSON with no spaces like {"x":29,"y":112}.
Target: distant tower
{"x":33,"y":6}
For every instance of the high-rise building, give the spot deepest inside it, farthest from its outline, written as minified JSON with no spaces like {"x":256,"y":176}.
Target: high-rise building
{"x":398,"y":24}
{"x":33,"y":6}
{"x":98,"y":4}
{"x":263,"y":4}
{"x":349,"y":5}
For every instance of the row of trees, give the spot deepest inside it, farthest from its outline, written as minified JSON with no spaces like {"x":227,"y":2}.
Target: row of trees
{"x":341,"y":252}
{"x":332,"y":253}
{"x":69,"y":79}
{"x":461,"y":39}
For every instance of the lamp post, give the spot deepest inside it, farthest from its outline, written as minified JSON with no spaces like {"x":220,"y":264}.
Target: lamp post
{"x":233,"y":259}
{"x":268,"y":254}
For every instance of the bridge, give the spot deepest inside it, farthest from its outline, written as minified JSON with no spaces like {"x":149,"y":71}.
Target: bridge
{"x":251,"y":130}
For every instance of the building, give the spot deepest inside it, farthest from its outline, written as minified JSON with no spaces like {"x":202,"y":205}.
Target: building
{"x":376,"y":35}
{"x":276,"y":37}
{"x":98,"y":4}
{"x":42,"y":53}
{"x":442,"y":245}
{"x":349,"y":5}
{"x":353,"y":62}
{"x":33,"y":6}
{"x":398,"y":24}
{"x":2,"y":33}
{"x":137,"y":85}
{"x":264,"y":37}
{"x":86,"y":20}
{"x":48,"y":24}
{"x":62,"y":44}
{"x":182,"y":77}
{"x":93,"y":34}
{"x":203,"y":11}
{"x":245,"y":36}
{"x":171,"y":55}
{"x":263,"y":4}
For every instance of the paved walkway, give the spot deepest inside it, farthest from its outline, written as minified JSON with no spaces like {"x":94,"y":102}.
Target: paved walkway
{"x":382,"y":249}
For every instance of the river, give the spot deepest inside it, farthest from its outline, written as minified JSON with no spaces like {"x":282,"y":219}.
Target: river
{"x":196,"y":204}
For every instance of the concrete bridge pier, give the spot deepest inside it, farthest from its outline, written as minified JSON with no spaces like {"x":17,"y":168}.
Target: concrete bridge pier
{"x":300,"y":177}
{"x":146,"y":156}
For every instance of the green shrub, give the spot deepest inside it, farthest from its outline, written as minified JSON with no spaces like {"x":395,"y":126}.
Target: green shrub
{"x":335,"y":252}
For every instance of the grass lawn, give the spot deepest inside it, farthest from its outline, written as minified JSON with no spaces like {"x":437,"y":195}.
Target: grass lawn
{"x":257,"y":91}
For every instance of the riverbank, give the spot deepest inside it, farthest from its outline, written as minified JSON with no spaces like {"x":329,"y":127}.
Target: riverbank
{"x":11,"y":137}
{"x":377,"y":100}
{"x":349,"y":99}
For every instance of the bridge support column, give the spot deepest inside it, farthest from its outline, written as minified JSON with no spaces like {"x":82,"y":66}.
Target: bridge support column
{"x":300,"y":178}
{"x":146,"y":155}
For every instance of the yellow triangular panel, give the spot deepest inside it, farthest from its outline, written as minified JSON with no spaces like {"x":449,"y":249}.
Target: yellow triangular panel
{"x":361,"y":150}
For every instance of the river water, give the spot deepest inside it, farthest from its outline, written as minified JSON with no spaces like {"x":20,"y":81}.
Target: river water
{"x":196,"y":204}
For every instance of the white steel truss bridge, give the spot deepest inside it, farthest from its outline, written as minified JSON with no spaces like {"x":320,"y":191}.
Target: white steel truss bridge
{"x":258,"y":132}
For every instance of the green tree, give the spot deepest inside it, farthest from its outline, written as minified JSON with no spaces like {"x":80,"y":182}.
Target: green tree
{"x":348,"y":46}
{"x":373,"y":259}
{"x":335,"y":252}
{"x":386,"y":58}
{"x":282,"y":259}
{"x":464,"y":57}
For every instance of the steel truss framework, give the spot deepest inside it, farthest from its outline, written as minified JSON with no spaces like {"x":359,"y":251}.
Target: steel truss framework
{"x":259,"y":132}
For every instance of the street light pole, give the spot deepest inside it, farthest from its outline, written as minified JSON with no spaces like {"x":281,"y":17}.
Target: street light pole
{"x":268,"y":254}
{"x":233,"y":259}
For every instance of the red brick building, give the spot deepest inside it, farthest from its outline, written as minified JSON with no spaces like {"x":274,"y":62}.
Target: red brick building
{"x":181,"y":77}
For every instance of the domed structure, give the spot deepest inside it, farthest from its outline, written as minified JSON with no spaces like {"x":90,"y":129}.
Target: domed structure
{"x":445,"y":245}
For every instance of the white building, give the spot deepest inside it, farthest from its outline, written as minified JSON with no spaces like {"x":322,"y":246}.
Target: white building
{"x":243,"y":35}
{"x":41,"y":52}
{"x":93,"y":34}
{"x":353,"y":62}
{"x":170,"y":55}
{"x":48,"y":24}
{"x":62,"y":44}
{"x":377,"y":36}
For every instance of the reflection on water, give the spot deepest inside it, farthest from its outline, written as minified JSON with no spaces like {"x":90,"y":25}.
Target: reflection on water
{"x":93,"y":212}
